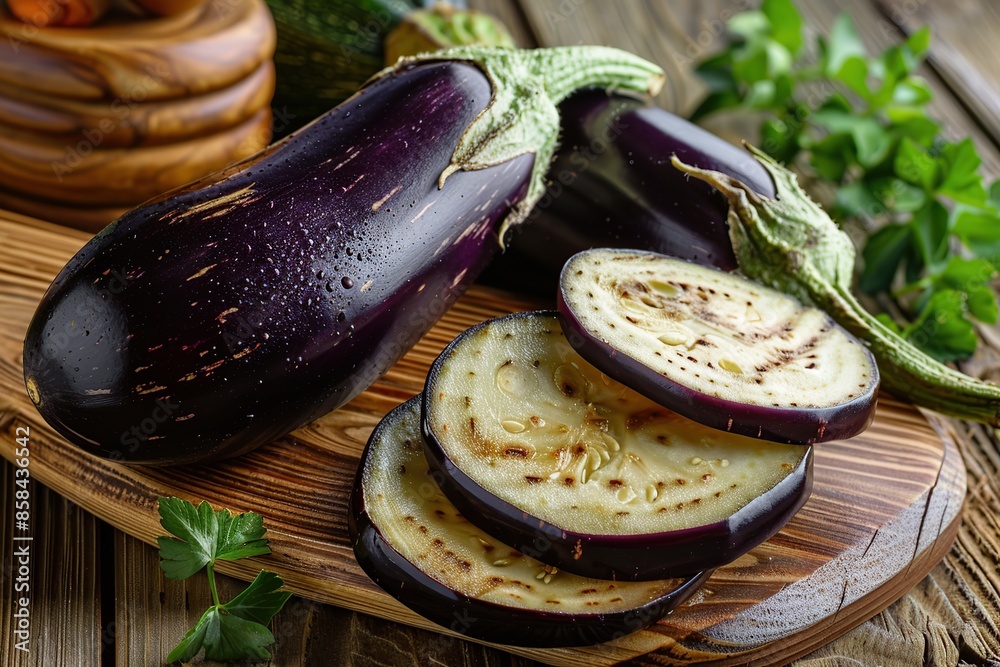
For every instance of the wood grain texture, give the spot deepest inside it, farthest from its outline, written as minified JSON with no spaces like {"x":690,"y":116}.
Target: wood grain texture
{"x":55,"y":171}
{"x":91,"y":219}
{"x":64,"y":583}
{"x":129,"y":61}
{"x":884,"y":509}
{"x":307,"y":633}
{"x":68,"y":121}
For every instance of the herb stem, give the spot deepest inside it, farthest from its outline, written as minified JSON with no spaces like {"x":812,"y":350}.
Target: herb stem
{"x":211,"y":585}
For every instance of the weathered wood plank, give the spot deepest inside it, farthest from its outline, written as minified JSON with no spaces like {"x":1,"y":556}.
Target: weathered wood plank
{"x":64,"y":582}
{"x":153,"y":613}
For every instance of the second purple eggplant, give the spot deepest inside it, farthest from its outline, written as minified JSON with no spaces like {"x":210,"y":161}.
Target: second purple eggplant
{"x":612,"y":186}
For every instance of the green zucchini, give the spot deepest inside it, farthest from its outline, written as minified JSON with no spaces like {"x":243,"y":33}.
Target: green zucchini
{"x":325,"y":51}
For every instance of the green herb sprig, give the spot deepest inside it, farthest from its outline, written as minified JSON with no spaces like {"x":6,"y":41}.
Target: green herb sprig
{"x":861,"y":123}
{"x":235,"y":630}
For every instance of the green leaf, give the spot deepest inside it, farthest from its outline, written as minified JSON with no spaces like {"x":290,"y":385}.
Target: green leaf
{"x":982,"y":303}
{"x":751,"y":25}
{"x":854,"y":74}
{"x":882,"y":254}
{"x":889,"y":323}
{"x":919,"y":41}
{"x":961,"y":181}
{"x":780,"y":139}
{"x":914,"y":165}
{"x":241,"y":536}
{"x":193,"y":640}
{"x":786,"y":23}
{"x":979,"y":229}
{"x":204,"y":536}
{"x":261,"y":600}
{"x":717,"y":101}
{"x":913,"y":91}
{"x":971,"y":277}
{"x":761,"y":95}
{"x":870,"y":140}
{"x":930,"y":233}
{"x":779,"y":60}
{"x":830,"y":156}
{"x":835,"y":120}
{"x":915,"y":126}
{"x":224,"y":636}
{"x":994,"y":197}
{"x":234,"y":638}
{"x":857,"y":198}
{"x":843,"y":44}
{"x":942,"y":330}
{"x":897,"y":195}
{"x":961,"y":273}
{"x":717,"y":71}
{"x":752,"y":64}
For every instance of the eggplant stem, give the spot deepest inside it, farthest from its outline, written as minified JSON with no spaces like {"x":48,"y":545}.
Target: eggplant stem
{"x":521,"y":116}
{"x":791,"y":244}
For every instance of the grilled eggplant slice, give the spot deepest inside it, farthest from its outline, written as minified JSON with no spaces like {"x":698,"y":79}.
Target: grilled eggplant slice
{"x":417,"y":546}
{"x":542,"y":450}
{"x":718,"y":348}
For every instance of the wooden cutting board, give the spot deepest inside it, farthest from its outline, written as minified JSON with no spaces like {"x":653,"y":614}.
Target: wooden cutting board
{"x":885,"y":507}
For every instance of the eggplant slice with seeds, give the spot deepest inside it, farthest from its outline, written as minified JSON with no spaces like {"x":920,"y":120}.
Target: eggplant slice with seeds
{"x":416,"y":545}
{"x":542,"y":450}
{"x":718,"y":348}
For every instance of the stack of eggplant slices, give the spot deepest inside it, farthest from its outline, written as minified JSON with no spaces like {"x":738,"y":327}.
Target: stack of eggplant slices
{"x":570,"y":476}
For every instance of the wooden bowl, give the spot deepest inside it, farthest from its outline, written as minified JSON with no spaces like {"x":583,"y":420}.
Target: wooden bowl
{"x":88,"y":218}
{"x":211,"y":47}
{"x":70,"y":121}
{"x":109,"y":177}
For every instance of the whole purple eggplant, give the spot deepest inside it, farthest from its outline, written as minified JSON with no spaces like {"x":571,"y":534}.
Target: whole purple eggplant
{"x":229,"y":313}
{"x":613,"y":186}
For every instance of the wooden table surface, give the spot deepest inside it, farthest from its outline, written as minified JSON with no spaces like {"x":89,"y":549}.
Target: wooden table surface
{"x":98,"y":597}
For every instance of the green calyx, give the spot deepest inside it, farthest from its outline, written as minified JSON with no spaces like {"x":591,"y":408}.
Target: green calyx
{"x":791,"y":244}
{"x":522,"y":117}
{"x":443,"y":26}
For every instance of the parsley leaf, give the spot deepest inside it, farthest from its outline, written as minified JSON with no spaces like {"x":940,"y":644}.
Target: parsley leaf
{"x":261,"y":600}
{"x":942,"y":330}
{"x":860,"y":122}
{"x":224,"y":637}
{"x":206,"y":536}
{"x":236,"y":630}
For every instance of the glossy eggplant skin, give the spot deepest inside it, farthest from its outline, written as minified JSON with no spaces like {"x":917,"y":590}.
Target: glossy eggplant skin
{"x":481,"y":619}
{"x":612,"y":186}
{"x":227,"y":314}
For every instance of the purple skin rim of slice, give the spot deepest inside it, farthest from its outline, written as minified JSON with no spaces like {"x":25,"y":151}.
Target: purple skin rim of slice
{"x":639,"y":557}
{"x":479,"y":619}
{"x":802,"y":426}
